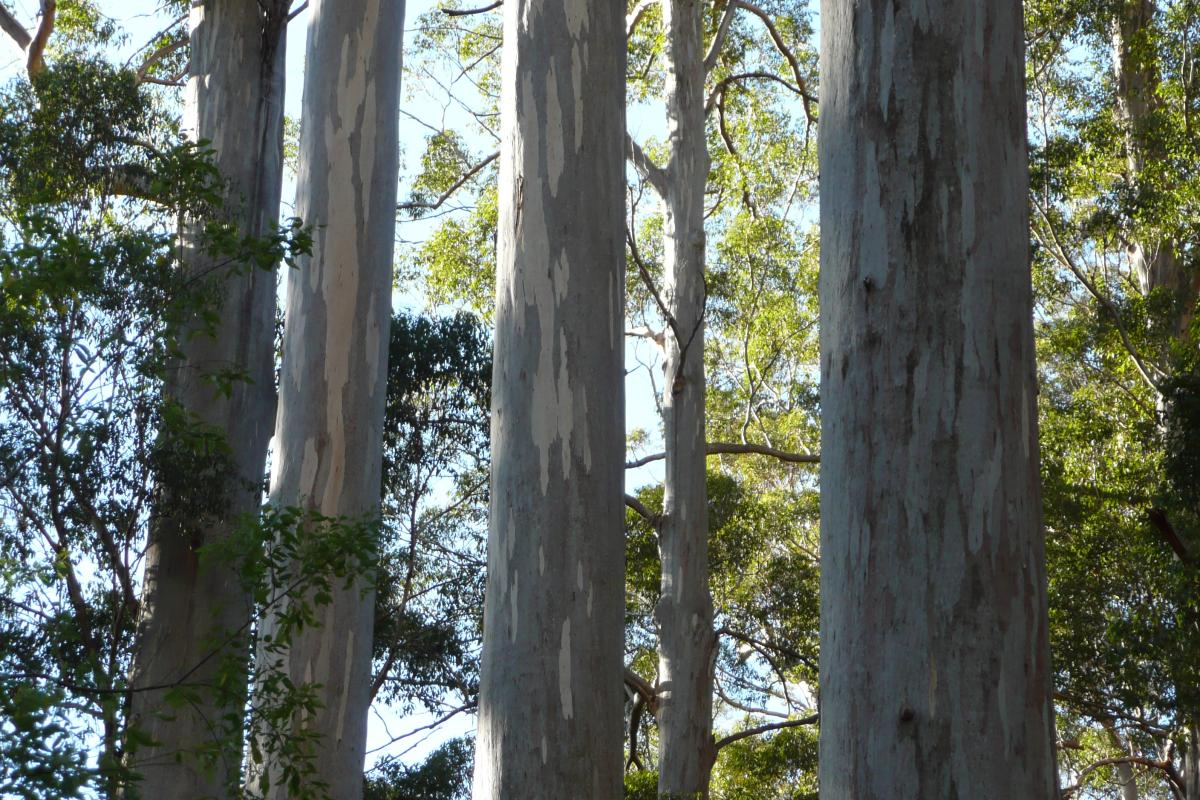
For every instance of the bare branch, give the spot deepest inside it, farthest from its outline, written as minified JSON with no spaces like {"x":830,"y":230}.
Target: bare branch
{"x":733,"y":448}
{"x":810,"y":99}
{"x":165,"y":51}
{"x":15,"y":30}
{"x":761,"y":729}
{"x":634,"y":17}
{"x":642,"y":511}
{"x":1167,"y":768}
{"x":644,"y":273}
{"x":446,"y":195}
{"x":724,"y":83}
{"x":646,"y":332}
{"x":35,"y":63}
{"x":640,"y":685}
{"x":299,"y":10}
{"x":466,"y":12}
{"x":653,"y":174}
{"x":714,"y":49}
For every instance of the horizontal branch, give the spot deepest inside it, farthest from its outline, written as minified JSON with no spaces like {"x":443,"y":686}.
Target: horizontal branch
{"x":733,"y":448}
{"x":761,"y":729}
{"x":466,"y":12}
{"x":446,"y":195}
{"x":724,"y":83}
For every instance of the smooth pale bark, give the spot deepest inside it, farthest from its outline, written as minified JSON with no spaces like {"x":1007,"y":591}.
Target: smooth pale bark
{"x":935,"y":674}
{"x":684,"y":612}
{"x":550,"y":722}
{"x":1135,"y":66}
{"x":329,"y":430}
{"x":189,"y":608}
{"x":1191,"y":763}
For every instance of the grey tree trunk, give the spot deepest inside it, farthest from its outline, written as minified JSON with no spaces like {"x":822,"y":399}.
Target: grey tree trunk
{"x":1191,"y":763}
{"x":1135,"y":66}
{"x":189,"y":608}
{"x":684,"y":612}
{"x":1126,"y":778}
{"x":550,"y":698}
{"x":935,"y":675}
{"x":329,"y":430}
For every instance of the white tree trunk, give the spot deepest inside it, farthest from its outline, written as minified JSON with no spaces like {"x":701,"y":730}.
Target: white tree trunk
{"x":684,"y":612}
{"x":234,"y":100}
{"x":935,"y":675}
{"x":329,"y":430}
{"x":550,"y":699}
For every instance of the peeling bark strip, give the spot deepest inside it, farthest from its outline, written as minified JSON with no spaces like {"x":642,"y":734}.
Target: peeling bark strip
{"x":684,"y":612}
{"x":935,"y":678}
{"x":234,"y":100}
{"x":329,"y":430}
{"x":555,"y":593}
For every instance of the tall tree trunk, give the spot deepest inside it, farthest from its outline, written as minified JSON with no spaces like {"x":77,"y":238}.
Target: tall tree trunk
{"x":684,"y":612}
{"x":550,"y":690}
{"x":190,"y":609}
{"x":329,"y":431}
{"x":935,"y":676}
{"x":1191,"y":762}
{"x":1126,"y":779}
{"x":1135,"y":66}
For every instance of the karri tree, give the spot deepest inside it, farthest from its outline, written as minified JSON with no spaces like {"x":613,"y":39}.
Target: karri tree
{"x":550,"y":691}
{"x":935,"y":674}
{"x":195,"y":612}
{"x":329,"y":430}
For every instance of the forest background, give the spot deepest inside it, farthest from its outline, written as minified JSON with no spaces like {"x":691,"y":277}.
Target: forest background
{"x":1112,"y":103}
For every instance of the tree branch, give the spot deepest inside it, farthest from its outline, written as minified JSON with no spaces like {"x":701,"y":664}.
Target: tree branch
{"x":634,"y":17}
{"x":35,"y":63}
{"x":810,"y":100}
{"x":644,"y":273}
{"x":733,"y":448}
{"x":466,"y":12}
{"x":714,"y":49}
{"x":15,"y":30}
{"x":761,"y":729}
{"x":446,"y":195}
{"x":653,"y":174}
{"x":642,"y":511}
{"x":1167,"y":768}
{"x":724,"y":83}
{"x":167,"y":50}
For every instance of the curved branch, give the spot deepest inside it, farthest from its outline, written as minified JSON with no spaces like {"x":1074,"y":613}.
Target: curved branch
{"x":810,"y":99}
{"x":1166,"y":767}
{"x":724,"y":83}
{"x":733,"y":448}
{"x":761,"y":729}
{"x":165,"y":51}
{"x":35,"y":63}
{"x":466,"y":12}
{"x":642,"y":511}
